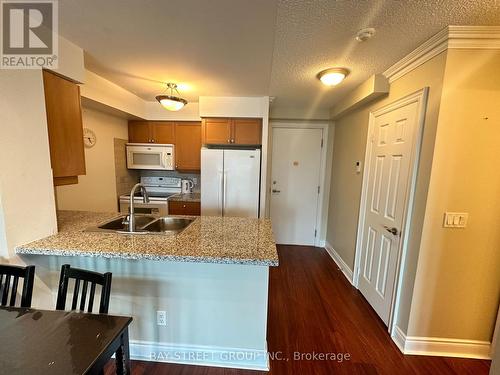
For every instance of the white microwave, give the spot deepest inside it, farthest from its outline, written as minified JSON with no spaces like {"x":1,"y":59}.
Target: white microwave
{"x":150,"y":156}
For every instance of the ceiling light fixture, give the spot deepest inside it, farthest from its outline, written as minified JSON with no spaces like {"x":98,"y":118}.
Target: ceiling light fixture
{"x":171,"y":102}
{"x":332,"y":76}
{"x":365,"y":34}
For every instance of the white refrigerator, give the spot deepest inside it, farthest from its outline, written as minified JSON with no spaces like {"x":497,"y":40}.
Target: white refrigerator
{"x":230,"y":182}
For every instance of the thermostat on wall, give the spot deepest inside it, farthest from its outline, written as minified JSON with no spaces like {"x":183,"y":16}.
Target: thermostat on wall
{"x":358,"y":167}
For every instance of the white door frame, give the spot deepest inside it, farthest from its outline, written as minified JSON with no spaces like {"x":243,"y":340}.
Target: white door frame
{"x":322,"y":211}
{"x":419,"y":97}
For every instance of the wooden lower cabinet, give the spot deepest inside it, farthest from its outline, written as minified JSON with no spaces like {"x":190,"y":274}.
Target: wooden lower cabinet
{"x":184,"y":208}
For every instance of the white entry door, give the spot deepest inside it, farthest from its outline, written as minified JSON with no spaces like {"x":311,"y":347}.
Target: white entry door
{"x":295,"y":181}
{"x":392,"y":138}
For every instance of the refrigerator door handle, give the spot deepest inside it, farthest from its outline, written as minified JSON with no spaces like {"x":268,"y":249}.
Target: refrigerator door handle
{"x":224,"y":190}
{"x":220,"y":193}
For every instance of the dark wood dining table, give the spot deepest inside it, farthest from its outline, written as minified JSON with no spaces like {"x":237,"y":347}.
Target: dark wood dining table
{"x":61,"y":342}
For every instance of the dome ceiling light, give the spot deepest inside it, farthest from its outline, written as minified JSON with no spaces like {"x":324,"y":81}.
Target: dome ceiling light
{"x":364,"y":34}
{"x":170,"y":101}
{"x":332,"y":76}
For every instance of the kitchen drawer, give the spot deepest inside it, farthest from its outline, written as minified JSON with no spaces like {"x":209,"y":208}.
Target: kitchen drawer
{"x":184,"y":208}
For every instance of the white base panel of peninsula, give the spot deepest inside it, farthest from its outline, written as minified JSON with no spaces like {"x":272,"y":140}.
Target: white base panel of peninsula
{"x":216,"y":314}
{"x":199,"y":355}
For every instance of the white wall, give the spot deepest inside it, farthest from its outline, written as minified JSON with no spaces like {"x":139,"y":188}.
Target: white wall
{"x":25,"y":173}
{"x":70,"y":62}
{"x":96,"y":191}
{"x":233,"y":106}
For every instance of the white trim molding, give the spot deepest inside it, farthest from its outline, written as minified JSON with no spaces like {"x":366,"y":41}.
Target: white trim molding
{"x":346,"y":270}
{"x":452,"y":37}
{"x":199,"y":355}
{"x":441,"y":347}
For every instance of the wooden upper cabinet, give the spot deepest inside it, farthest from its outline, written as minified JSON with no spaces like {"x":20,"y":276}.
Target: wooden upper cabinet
{"x":65,"y":128}
{"x":247,"y":131}
{"x":163,"y":132}
{"x":151,"y":132}
{"x":139,"y":132}
{"x":235,"y":131}
{"x":216,"y":131}
{"x":188,"y":146}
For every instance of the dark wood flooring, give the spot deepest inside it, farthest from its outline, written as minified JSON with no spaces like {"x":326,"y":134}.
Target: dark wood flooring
{"x":313,"y":308}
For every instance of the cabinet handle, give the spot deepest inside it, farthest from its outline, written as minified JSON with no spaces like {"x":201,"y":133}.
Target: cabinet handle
{"x":183,"y":206}
{"x":228,"y":141}
{"x":232,"y":140}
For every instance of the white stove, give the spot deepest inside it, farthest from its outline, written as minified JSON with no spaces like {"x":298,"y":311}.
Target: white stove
{"x":158,"y":189}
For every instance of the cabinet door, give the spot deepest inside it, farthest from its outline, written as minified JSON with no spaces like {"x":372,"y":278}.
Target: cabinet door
{"x":247,"y":131}
{"x":65,"y":129}
{"x":184,"y":208}
{"x":188,"y":146}
{"x":139,"y":132}
{"x":216,"y":131}
{"x":163,"y":131}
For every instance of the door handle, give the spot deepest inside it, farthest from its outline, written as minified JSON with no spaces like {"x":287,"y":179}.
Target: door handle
{"x":392,"y":230}
{"x":276,"y":191}
{"x":224,"y":190}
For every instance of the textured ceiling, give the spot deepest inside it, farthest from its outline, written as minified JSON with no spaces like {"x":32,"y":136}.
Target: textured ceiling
{"x":214,"y":47}
{"x":313,"y":35}
{"x":255,"y":47}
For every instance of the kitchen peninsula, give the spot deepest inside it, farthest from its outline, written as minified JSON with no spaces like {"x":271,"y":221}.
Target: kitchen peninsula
{"x":211,"y":279}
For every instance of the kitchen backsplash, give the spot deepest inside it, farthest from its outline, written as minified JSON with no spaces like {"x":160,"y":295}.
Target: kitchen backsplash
{"x":125,"y":178}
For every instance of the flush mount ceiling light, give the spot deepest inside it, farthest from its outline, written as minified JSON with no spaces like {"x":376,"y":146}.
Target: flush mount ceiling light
{"x":365,"y":34}
{"x":170,"y":101}
{"x":332,"y":76}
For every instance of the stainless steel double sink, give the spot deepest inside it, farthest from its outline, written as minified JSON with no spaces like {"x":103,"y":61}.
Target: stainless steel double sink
{"x":145,"y":224}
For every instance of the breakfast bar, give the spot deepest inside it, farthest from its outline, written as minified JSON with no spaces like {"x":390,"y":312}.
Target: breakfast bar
{"x":209,"y":281}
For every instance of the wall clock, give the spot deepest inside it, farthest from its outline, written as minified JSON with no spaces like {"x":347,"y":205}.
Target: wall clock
{"x":89,"y":138}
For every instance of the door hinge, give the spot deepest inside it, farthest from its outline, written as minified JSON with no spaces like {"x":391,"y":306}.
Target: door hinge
{"x":318,"y":189}
{"x":315,"y":232}
{"x":321,"y":142}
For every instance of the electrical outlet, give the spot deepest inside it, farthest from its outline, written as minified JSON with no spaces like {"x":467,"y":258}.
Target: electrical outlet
{"x":455,"y":219}
{"x":161,"y":318}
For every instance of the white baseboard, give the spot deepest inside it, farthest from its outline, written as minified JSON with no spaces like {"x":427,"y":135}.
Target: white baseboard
{"x":399,"y":338}
{"x":199,"y":355}
{"x":441,"y":347}
{"x":346,"y":270}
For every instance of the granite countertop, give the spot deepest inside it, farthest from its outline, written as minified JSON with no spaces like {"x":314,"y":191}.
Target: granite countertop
{"x":209,"y":239}
{"x":188,"y":197}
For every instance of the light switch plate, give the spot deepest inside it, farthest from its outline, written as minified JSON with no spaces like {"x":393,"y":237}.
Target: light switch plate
{"x":455,"y":219}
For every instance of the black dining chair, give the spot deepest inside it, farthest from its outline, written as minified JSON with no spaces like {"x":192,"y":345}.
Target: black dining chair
{"x":10,"y":273}
{"x":88,"y":277}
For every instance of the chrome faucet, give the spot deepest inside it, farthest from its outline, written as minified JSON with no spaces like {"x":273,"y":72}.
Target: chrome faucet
{"x":131,"y":209}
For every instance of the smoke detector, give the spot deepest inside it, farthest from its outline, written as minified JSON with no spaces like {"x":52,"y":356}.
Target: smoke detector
{"x":365,"y":34}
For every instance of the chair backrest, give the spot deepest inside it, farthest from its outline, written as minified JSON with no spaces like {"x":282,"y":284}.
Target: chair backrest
{"x":10,"y":273}
{"x":94,"y":278}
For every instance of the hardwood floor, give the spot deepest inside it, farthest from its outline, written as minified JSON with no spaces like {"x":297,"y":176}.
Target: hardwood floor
{"x":313,"y":308}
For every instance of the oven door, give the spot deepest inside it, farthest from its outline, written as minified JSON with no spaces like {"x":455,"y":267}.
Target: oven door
{"x":150,"y":157}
